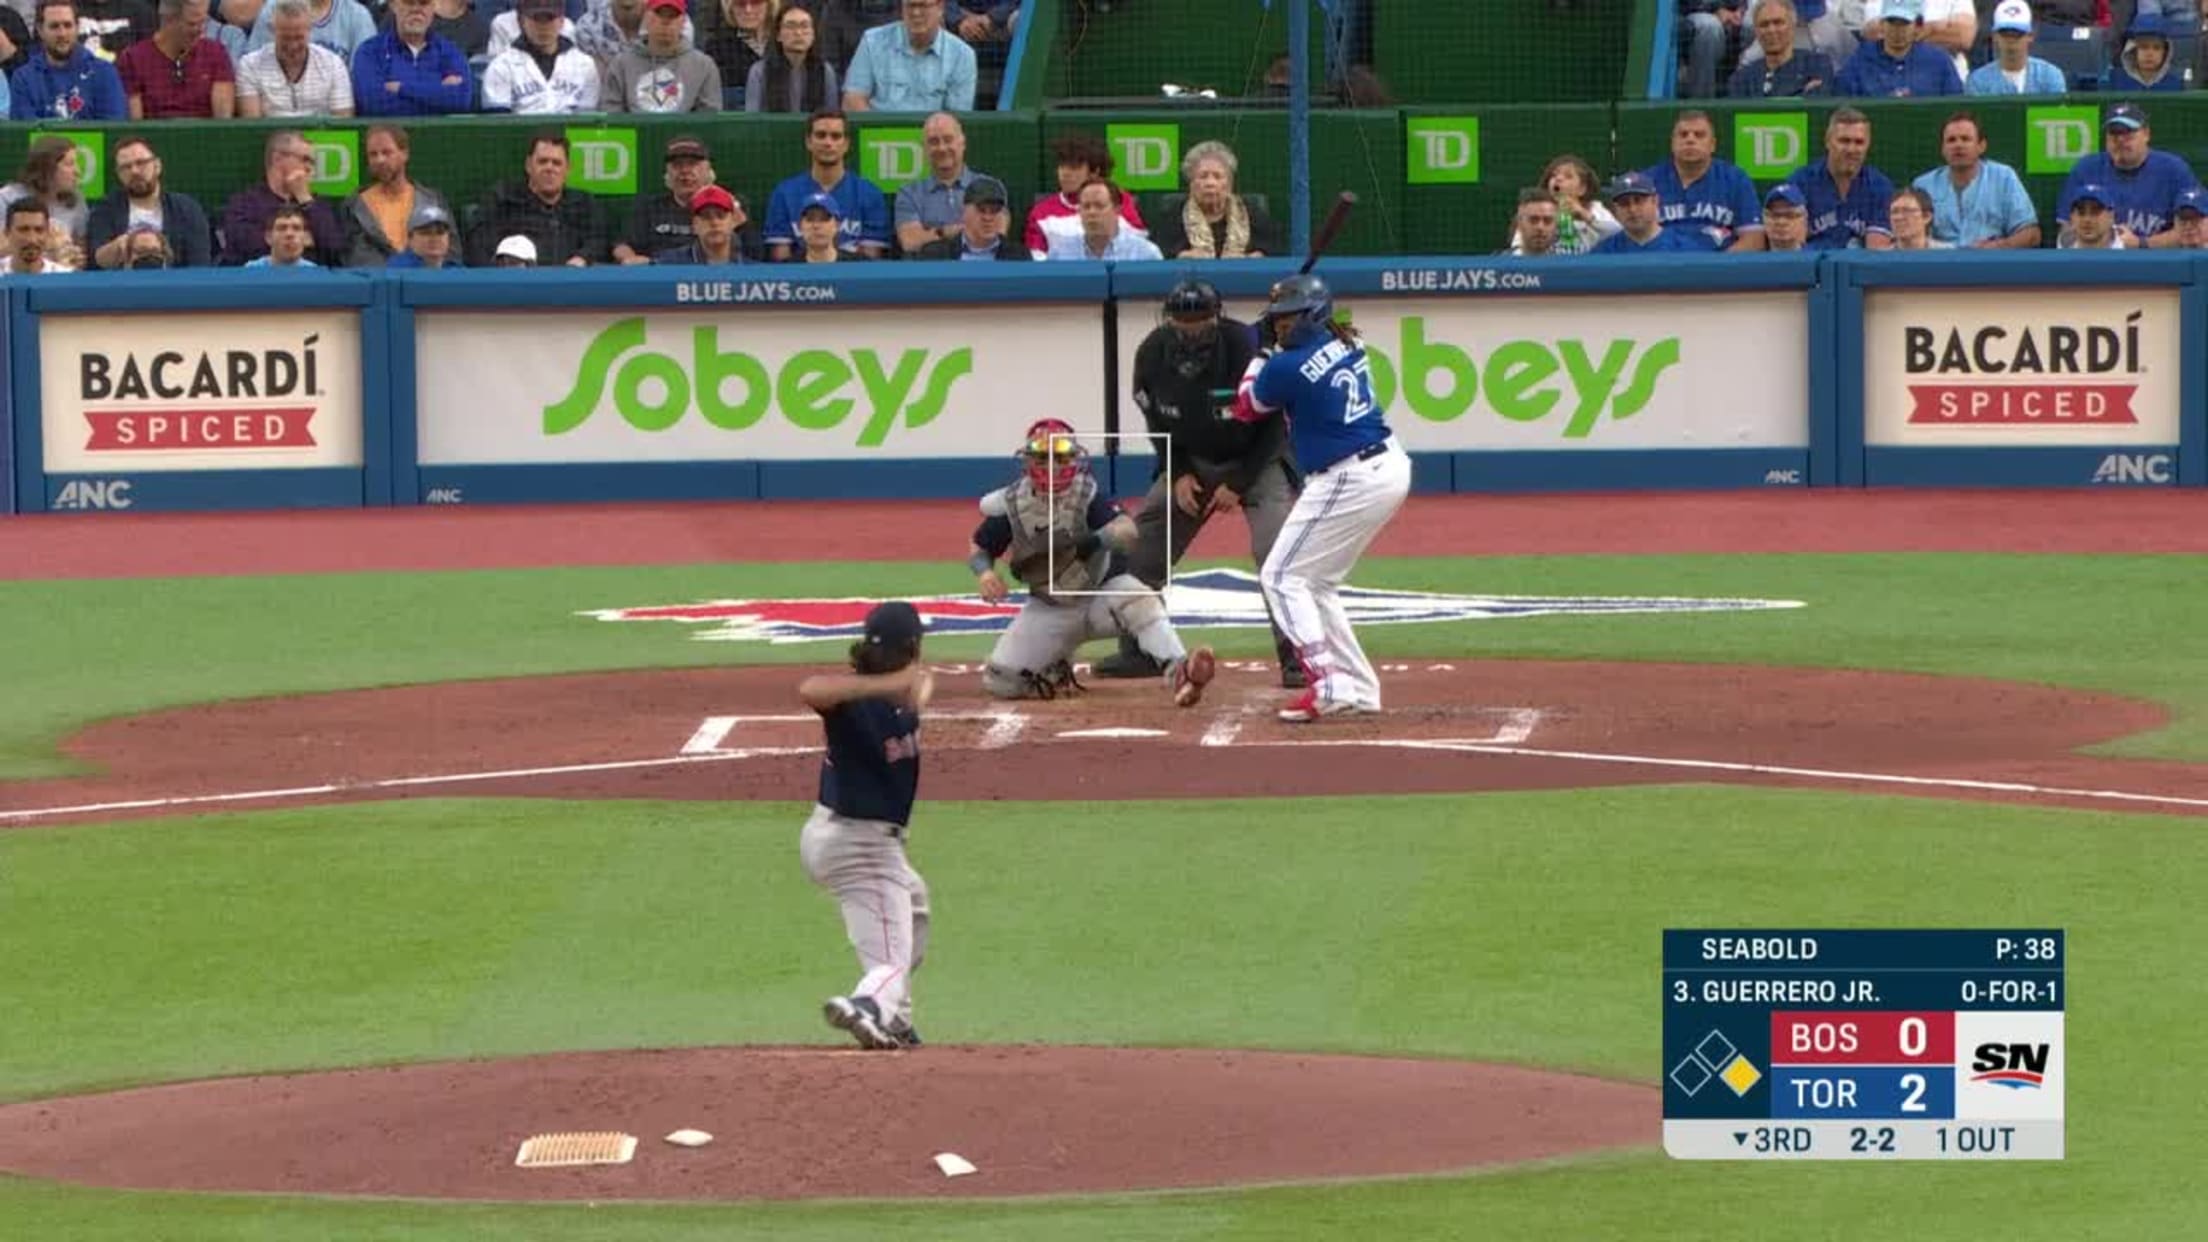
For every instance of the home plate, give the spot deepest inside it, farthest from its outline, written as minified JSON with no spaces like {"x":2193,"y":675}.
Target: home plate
{"x":1113,"y":732}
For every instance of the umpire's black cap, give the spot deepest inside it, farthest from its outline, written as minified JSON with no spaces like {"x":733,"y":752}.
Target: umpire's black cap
{"x":895,"y":624}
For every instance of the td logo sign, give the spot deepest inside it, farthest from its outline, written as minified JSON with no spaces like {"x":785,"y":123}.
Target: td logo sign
{"x":891,"y":158}
{"x":2059,"y":137}
{"x":1441,"y":150}
{"x":1148,"y":156}
{"x":812,"y":388}
{"x":602,"y":161}
{"x":1770,"y":145}
{"x":1524,"y":381}
{"x":336,"y":161}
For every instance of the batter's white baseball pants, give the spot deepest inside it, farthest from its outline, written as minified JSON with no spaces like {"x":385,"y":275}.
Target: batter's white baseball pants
{"x":1335,"y":519}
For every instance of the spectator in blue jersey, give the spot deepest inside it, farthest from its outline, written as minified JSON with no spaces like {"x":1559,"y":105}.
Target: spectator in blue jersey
{"x":1710,"y":200}
{"x":2013,"y":69}
{"x":1634,"y":200}
{"x":1899,"y":64}
{"x":2192,"y":219}
{"x":63,"y":80}
{"x":2144,"y":182}
{"x":410,"y":70}
{"x":1711,"y":31}
{"x":1785,"y":220}
{"x":1817,"y":27}
{"x":1977,"y":203}
{"x":2145,"y":64}
{"x":1846,"y":197}
{"x":2092,"y":223}
{"x":1784,"y":71}
{"x":863,"y":226}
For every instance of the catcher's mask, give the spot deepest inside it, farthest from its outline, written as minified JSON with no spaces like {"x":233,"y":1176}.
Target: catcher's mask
{"x":1052,"y":456}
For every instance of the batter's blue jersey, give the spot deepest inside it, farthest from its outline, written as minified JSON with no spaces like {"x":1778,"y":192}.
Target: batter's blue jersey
{"x":1326,"y":387}
{"x":1711,"y":212}
{"x":2145,"y":197}
{"x":873,"y":766}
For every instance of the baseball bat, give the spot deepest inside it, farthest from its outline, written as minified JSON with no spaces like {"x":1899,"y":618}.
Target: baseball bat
{"x":1336,"y":217}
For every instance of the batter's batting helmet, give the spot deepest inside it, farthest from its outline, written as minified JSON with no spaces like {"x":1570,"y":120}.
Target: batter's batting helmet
{"x":1053,"y":457}
{"x":1306,"y":302}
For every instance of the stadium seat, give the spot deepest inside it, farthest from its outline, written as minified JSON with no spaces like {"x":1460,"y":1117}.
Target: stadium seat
{"x":2081,"y":52}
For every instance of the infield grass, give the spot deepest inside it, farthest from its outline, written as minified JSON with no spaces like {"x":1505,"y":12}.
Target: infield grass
{"x":85,"y":650}
{"x":1520,"y":927}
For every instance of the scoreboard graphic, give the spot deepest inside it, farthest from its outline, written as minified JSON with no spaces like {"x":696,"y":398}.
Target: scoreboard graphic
{"x":1863,"y":1045}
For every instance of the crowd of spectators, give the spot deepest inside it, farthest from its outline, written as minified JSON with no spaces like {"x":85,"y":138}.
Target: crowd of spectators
{"x":112,"y":60}
{"x":1756,"y":49}
{"x":2127,"y":196}
{"x":829,"y":213}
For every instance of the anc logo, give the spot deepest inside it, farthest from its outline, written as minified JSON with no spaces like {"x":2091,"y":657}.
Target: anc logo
{"x":1205,"y":600}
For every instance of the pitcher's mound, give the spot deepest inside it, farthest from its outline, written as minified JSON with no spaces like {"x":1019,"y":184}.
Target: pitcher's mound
{"x":795,"y":1123}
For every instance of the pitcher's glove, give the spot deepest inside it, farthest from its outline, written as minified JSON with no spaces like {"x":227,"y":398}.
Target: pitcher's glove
{"x":1069,"y":555}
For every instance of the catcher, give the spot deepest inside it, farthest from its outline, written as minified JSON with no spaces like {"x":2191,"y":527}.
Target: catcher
{"x":1059,"y":534}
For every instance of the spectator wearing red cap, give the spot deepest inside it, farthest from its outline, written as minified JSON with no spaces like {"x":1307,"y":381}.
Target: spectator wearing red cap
{"x":666,"y":74}
{"x":660,"y":219}
{"x":545,"y":72}
{"x":715,"y":215}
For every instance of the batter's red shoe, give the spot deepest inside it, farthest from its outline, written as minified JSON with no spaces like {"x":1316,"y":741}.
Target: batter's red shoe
{"x":1306,"y":709}
{"x":1194,"y":673}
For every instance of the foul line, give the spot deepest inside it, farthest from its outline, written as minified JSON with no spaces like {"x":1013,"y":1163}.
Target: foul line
{"x":1482,"y":746}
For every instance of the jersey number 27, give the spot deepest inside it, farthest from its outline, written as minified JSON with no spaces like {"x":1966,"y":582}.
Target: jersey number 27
{"x":1356,"y":386}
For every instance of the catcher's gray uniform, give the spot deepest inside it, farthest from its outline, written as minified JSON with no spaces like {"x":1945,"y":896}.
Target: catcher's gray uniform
{"x":1021,"y":524}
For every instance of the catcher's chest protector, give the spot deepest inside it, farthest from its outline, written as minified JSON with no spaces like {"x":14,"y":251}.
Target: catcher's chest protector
{"x":1036,"y":517}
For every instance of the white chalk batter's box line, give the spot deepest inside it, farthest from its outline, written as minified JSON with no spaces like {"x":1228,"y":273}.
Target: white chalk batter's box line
{"x":722,"y":735}
{"x":1838,"y":776}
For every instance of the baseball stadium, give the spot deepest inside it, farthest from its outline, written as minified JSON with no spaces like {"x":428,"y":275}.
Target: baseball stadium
{"x":1476,"y":637}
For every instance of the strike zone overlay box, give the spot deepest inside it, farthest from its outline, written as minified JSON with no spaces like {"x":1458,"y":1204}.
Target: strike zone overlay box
{"x":1863,"y":1045}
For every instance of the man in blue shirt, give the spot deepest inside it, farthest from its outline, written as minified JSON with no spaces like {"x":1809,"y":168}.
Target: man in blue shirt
{"x":1708,"y":199}
{"x":1897,"y":63}
{"x":62,"y":79}
{"x":1783,"y":70}
{"x":2142,"y":183}
{"x":2013,"y":69}
{"x":1634,"y":201}
{"x":1977,"y":202}
{"x":1817,"y":27}
{"x":1847,"y":199}
{"x":863,"y":206}
{"x":913,"y":65}
{"x":410,"y":69}
{"x":1785,"y":220}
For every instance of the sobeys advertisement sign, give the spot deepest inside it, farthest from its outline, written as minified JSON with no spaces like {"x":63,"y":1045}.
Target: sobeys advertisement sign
{"x":594,"y":386}
{"x":1706,"y":371}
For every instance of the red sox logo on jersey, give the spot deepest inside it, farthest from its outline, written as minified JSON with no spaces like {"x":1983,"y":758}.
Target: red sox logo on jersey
{"x":1204,"y":600}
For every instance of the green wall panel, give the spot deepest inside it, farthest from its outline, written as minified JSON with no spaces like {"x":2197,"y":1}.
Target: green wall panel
{"x":1505,"y":51}
{"x":1515,"y":143}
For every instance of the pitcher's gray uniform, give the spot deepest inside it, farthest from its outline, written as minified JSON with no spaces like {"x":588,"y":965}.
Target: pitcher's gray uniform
{"x":1055,"y":519}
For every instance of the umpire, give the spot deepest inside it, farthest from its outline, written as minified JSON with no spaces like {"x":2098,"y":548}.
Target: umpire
{"x":1185,"y":375}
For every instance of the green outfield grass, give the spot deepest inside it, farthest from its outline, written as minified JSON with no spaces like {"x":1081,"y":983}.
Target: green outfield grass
{"x":1526,"y":925}
{"x":91,"y":649}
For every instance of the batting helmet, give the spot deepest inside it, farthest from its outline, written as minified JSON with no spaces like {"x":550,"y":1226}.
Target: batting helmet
{"x":1308,"y":305}
{"x":1052,"y":456}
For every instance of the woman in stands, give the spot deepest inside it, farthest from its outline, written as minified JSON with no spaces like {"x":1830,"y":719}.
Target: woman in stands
{"x":1214,"y":222}
{"x":737,"y":34}
{"x":1582,"y":220}
{"x":792,"y":77}
{"x":50,"y":175}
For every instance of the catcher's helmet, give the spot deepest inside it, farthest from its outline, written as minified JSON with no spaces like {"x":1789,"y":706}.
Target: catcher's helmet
{"x":1306,"y":302}
{"x":1052,"y":456}
{"x":1192,"y":299}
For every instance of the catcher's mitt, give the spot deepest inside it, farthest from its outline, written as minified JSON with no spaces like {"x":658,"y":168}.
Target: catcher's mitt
{"x":1066,"y":555}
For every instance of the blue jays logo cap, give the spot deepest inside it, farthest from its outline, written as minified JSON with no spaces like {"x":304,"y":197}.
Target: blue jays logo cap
{"x":1631,"y":184}
{"x":893,"y":624}
{"x":1785,"y":193}
{"x":2124,"y":116}
{"x":2090,"y":192}
{"x":2194,"y":200}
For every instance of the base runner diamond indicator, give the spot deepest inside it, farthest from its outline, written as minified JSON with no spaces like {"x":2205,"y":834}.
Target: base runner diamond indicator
{"x":1855,"y":1044}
